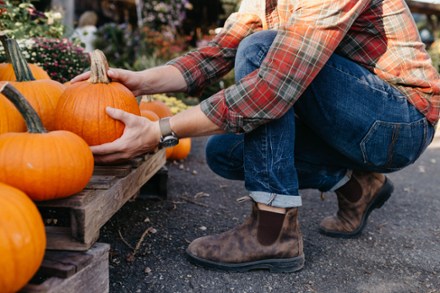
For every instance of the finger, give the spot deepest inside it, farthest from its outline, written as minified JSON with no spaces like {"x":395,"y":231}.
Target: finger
{"x":118,"y":114}
{"x":107,"y":148}
{"x":116,"y":74}
{"x":107,"y":159}
{"x":112,"y":74}
{"x":80,"y":77}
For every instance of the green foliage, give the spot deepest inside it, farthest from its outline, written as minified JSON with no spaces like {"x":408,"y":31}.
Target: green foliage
{"x":60,"y":58}
{"x":40,"y":38}
{"x":119,"y":44}
{"x":20,"y":20}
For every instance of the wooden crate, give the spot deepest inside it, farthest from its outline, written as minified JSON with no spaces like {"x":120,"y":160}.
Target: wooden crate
{"x":73,"y":223}
{"x":72,"y":272}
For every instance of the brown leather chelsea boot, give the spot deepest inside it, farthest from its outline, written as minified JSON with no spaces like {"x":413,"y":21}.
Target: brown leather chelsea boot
{"x":364,"y":192}
{"x":266,"y":240}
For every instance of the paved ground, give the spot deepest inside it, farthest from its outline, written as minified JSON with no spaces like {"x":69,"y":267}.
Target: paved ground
{"x":398,"y":252}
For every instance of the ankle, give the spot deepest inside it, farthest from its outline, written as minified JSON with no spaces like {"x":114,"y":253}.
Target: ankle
{"x":272,"y":209}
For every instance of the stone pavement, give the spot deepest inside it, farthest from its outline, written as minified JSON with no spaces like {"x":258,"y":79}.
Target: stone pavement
{"x":398,"y":252}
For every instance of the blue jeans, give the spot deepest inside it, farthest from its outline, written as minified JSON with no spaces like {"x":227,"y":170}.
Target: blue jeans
{"x":347,"y":119}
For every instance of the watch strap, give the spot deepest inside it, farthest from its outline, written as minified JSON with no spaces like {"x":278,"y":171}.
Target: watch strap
{"x":165,"y":127}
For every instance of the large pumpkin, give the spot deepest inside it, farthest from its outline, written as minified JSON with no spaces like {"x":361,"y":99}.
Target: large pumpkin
{"x":42,"y":94}
{"x":44,"y":165}
{"x":10,"y":118}
{"x":22,"y":239}
{"x":81,"y":108}
{"x":7,"y":72}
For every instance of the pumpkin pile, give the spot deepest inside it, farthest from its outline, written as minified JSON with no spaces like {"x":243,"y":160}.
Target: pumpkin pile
{"x":35,"y":164}
{"x":42,"y":94}
{"x":46,"y":129}
{"x":45,"y":165}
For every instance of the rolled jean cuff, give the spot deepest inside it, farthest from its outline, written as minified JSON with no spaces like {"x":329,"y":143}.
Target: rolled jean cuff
{"x":344,"y":180}
{"x":276,"y":200}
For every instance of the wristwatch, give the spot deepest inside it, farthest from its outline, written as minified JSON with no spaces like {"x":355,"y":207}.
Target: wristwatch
{"x":168,"y":138}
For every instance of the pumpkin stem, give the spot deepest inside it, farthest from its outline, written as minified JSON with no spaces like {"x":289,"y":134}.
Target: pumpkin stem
{"x":33,"y":121}
{"x":98,"y":67}
{"x":15,"y":57}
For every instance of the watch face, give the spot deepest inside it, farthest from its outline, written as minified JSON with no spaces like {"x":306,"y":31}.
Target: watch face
{"x":169,"y":141}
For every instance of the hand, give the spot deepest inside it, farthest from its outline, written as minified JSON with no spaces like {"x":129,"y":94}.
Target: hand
{"x":161,"y":79}
{"x":133,"y":80}
{"x":140,"y":136}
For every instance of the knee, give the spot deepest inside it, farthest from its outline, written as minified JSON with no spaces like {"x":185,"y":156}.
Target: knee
{"x":259,"y":39}
{"x":214,"y":153}
{"x":224,"y":155}
{"x":252,"y":49}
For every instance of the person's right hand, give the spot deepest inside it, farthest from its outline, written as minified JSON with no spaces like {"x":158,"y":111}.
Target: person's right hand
{"x":131,"y":79}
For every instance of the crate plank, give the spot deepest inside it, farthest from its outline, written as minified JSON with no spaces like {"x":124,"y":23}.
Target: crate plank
{"x":73,"y":223}
{"x":72,"y":272}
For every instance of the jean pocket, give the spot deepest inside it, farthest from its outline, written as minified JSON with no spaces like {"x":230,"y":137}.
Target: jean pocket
{"x":392,"y":146}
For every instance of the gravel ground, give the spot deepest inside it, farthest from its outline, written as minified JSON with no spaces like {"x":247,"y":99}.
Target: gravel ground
{"x":398,"y":252}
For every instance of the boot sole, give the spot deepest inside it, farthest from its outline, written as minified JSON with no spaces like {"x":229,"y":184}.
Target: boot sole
{"x":285,"y":265}
{"x":383,"y":195}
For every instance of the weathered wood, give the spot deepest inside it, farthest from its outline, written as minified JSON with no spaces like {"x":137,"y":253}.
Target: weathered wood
{"x":423,"y":7}
{"x":72,"y":272}
{"x":156,"y":187}
{"x":431,"y":10}
{"x":73,"y":223}
{"x":117,"y":170}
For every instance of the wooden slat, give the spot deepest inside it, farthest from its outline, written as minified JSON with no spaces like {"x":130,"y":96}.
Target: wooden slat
{"x":73,"y":223}
{"x":61,"y":238}
{"x":72,"y":272}
{"x":98,"y":211}
{"x":118,"y":171}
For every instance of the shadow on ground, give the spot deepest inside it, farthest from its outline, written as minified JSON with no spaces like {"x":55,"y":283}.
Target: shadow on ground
{"x":398,"y":252}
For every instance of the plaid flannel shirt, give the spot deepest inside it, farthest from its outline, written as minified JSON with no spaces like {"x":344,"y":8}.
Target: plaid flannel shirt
{"x":378,"y":34}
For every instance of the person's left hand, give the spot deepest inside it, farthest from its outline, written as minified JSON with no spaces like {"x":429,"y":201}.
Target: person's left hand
{"x":140,"y":136}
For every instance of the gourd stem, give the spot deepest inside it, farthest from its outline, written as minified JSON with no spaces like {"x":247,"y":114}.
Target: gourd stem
{"x":98,"y":67}
{"x":33,"y":121}
{"x":15,"y":57}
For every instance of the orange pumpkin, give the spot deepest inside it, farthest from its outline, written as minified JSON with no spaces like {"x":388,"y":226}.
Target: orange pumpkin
{"x":81,"y":108}
{"x":158,"y":107}
{"x":22,"y":240}
{"x":169,"y":152}
{"x":150,"y":115}
{"x":42,"y":94}
{"x":10,"y":118}
{"x":7,"y":72}
{"x":44,"y":165}
{"x":181,"y":150}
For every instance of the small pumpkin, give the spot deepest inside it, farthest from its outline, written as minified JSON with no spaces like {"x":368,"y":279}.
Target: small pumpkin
{"x":22,"y":239}
{"x":81,"y":108}
{"x":158,"y":107}
{"x":7,"y":72}
{"x":44,"y":165}
{"x":42,"y":94}
{"x":181,"y":150}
